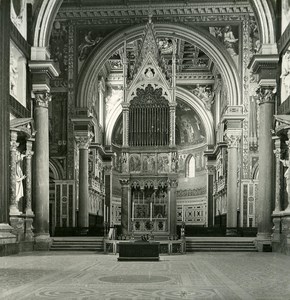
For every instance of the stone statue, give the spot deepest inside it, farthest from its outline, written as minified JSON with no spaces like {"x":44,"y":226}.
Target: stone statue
{"x":19,"y":176}
{"x":285,"y":72}
{"x":287,"y":173}
{"x":13,"y":75}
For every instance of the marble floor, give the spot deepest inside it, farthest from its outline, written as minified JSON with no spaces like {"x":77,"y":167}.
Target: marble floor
{"x":71,"y":275}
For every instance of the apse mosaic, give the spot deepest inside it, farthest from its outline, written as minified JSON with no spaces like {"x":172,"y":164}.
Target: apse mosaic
{"x":189,"y":127}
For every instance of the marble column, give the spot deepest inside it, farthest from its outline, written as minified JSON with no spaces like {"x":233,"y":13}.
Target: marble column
{"x":108,"y":190}
{"x":28,"y":179}
{"x":266,"y":187}
{"x":210,"y":204}
{"x":172,"y":124}
{"x":233,"y":137}
{"x":14,"y":210}
{"x":276,"y":216}
{"x":172,"y":207}
{"x":41,"y":171}
{"x":125,"y":124}
{"x":277,"y":153}
{"x":124,"y":205}
{"x":4,"y":117}
{"x":83,"y":142}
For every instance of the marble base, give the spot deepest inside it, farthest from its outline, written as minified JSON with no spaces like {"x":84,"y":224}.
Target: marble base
{"x":17,"y":223}
{"x":42,"y":242}
{"x":6,"y":236}
{"x":9,"y":249}
{"x":263,"y":242}
{"x":26,"y":246}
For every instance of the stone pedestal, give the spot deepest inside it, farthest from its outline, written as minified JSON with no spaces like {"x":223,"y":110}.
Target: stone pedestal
{"x":17,"y":223}
{"x":266,"y":186}
{"x":124,"y":205}
{"x":277,"y":230}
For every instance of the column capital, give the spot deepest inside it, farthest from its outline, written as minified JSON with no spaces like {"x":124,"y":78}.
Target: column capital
{"x":211,"y":169}
{"x":124,"y":182}
{"x":42,"y":98}
{"x":233,"y":137}
{"x":266,"y":94}
{"x":125,"y":105}
{"x":83,"y":140}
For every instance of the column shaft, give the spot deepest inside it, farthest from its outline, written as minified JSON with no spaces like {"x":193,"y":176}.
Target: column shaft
{"x":41,"y":169}
{"x":264,"y":208}
{"x":83,"y":215}
{"x":232,"y":187}
{"x":124,"y":206}
{"x":4,"y":109}
{"x":28,"y":179}
{"x":172,"y":208}
{"x":13,"y":148}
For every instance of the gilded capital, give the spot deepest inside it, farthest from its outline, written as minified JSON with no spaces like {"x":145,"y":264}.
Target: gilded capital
{"x":266,"y":94}
{"x":42,"y":99}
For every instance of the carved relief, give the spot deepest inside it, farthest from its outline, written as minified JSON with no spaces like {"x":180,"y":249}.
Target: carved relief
{"x":134,"y":163}
{"x":163,"y":163}
{"x":148,"y":164}
{"x":205,"y":94}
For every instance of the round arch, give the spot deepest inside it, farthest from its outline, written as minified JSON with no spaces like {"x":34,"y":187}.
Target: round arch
{"x":49,"y":8}
{"x":203,"y":39}
{"x":183,"y":95}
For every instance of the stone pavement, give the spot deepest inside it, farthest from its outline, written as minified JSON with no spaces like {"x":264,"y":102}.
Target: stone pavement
{"x":71,"y":275}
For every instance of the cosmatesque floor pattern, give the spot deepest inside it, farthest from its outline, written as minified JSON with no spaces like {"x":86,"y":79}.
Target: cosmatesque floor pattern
{"x":71,"y":275}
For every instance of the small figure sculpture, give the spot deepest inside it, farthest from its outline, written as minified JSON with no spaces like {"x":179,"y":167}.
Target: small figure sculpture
{"x":19,"y":176}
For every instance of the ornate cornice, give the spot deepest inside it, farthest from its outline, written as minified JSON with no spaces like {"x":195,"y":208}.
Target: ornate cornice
{"x":44,"y":67}
{"x":119,"y":13}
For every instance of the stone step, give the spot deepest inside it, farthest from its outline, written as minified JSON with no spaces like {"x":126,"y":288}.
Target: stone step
{"x":220,"y":249}
{"x":77,"y":244}
{"x":194,"y":245}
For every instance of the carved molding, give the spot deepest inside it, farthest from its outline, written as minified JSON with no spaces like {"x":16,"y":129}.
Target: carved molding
{"x":140,"y":12}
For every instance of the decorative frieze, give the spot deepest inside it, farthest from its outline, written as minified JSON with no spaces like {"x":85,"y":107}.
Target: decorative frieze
{"x":206,"y":11}
{"x":191,"y":192}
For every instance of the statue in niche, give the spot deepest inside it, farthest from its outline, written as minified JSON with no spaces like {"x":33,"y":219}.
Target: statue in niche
{"x":230,"y":40}
{"x":285,"y":72}
{"x":149,"y":73}
{"x":86,"y":46}
{"x":19,"y":176}
{"x":13,"y":75}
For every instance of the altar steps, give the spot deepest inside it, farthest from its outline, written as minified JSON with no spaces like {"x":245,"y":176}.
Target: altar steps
{"x":224,"y":244}
{"x":95,"y":244}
